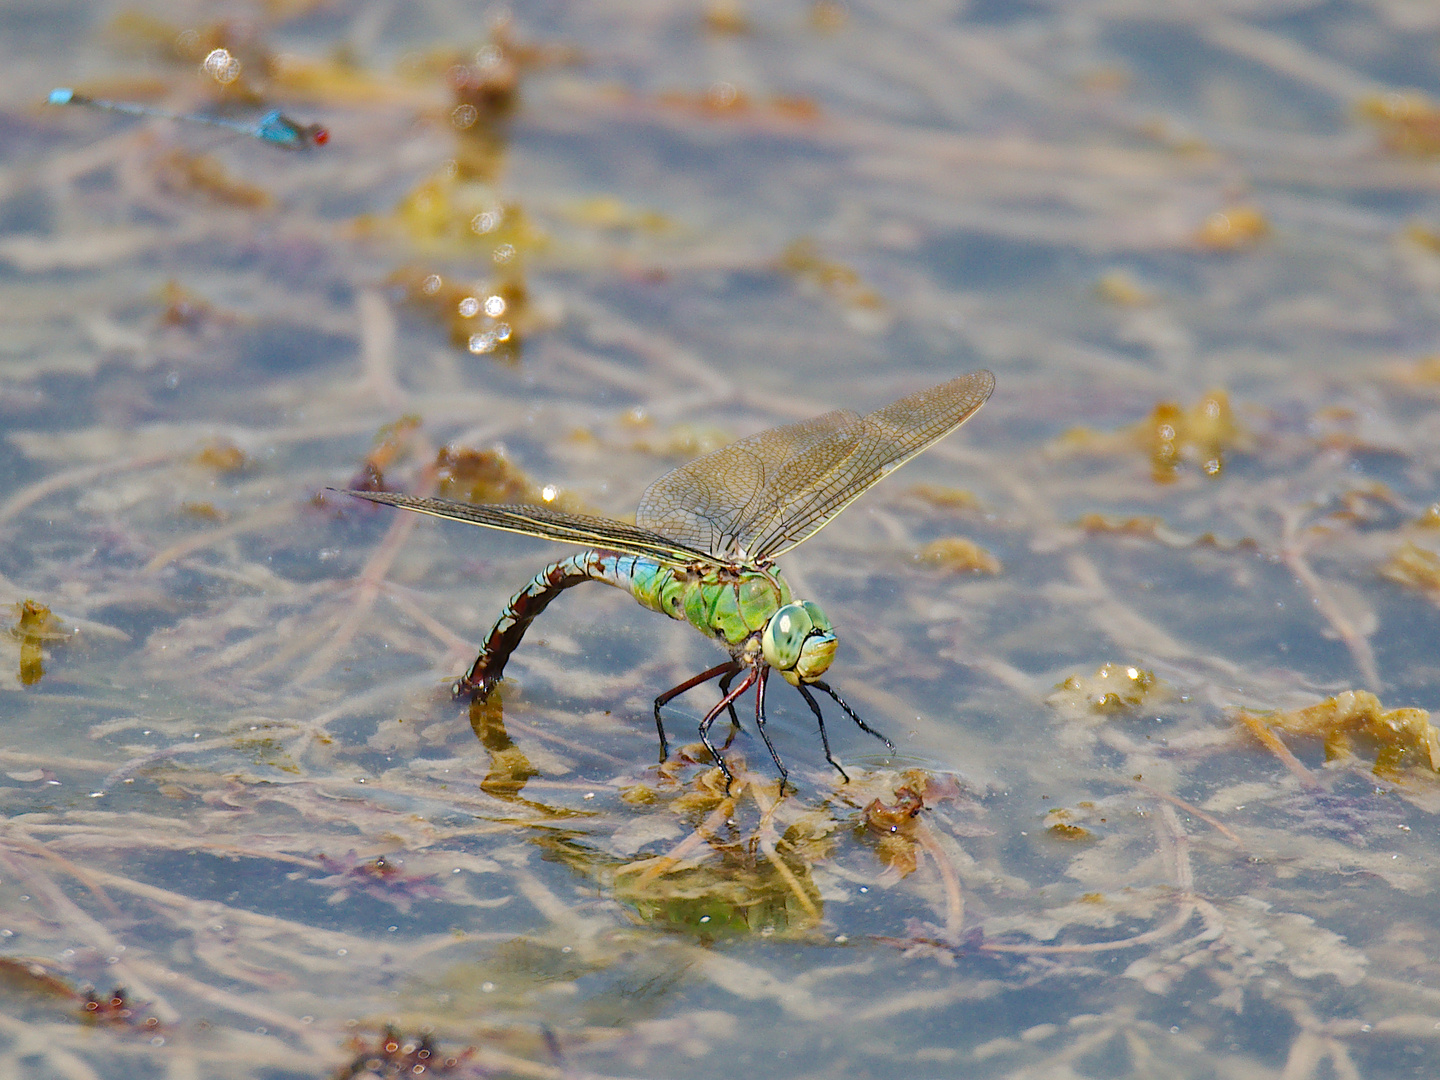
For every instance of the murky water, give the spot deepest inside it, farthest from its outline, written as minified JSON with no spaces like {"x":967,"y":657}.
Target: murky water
{"x":1154,"y":633}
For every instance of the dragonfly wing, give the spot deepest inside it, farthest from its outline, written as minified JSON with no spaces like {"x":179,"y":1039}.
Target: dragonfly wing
{"x":549,"y":524}
{"x":891,"y":436}
{"x":717,"y":502}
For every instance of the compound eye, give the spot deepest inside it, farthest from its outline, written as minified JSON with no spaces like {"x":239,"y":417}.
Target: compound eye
{"x":784,"y":634}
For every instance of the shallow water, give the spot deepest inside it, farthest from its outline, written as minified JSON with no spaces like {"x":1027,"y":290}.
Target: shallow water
{"x":1145,"y":815}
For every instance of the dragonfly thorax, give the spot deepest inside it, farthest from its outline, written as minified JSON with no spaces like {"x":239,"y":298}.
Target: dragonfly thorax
{"x":799,"y":642}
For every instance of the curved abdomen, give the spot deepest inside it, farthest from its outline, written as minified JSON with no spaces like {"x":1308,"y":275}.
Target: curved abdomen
{"x":727,"y":605}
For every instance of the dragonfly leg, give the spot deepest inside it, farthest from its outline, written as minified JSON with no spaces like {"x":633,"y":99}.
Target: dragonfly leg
{"x":489,"y":667}
{"x":709,"y":722}
{"x":760,"y":724}
{"x":725,"y":681}
{"x":820,"y":719}
{"x":727,"y":672}
{"x":851,"y":712}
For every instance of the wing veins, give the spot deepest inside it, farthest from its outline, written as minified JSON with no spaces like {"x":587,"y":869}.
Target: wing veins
{"x":886,"y":444}
{"x":550,"y":524}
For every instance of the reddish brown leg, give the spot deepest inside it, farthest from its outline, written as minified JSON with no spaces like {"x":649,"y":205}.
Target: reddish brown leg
{"x":727,"y":670}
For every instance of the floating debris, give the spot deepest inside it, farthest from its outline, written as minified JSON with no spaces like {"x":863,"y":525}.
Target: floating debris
{"x":1232,"y":229}
{"x":1114,"y":688}
{"x":35,"y":628}
{"x":1120,"y":288}
{"x":392,"y":1055}
{"x":1062,"y":824}
{"x":1416,"y":568}
{"x":1172,"y":436}
{"x":1399,"y":737}
{"x":959,"y":555}
{"x":1409,"y":122}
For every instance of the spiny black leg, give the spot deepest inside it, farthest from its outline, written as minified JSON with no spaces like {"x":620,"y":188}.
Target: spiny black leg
{"x":709,"y":721}
{"x":728,"y":669}
{"x":824,"y":739}
{"x":725,"y":681}
{"x":760,"y":724}
{"x":851,"y":713}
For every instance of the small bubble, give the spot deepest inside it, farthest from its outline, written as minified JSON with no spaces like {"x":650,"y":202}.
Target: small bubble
{"x":488,"y":57}
{"x":722,"y":94}
{"x":221,"y":66}
{"x":485,"y":222}
{"x":502,"y":331}
{"x":482,"y":343}
{"x":342,"y":952}
{"x":158,"y":1040}
{"x":392,"y":929}
{"x":431,"y":285}
{"x":504,"y":253}
{"x":548,"y":492}
{"x":494,"y":306}
{"x":469,"y":307}
{"x":487,"y":987}
{"x":464,"y":116}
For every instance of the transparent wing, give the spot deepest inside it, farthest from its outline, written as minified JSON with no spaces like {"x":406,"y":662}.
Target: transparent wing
{"x":760,"y":497}
{"x":551,"y":524}
{"x":892,"y":436}
{"x":713,"y":502}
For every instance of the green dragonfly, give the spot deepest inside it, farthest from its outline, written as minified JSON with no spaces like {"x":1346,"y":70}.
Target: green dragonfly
{"x":704,"y":545}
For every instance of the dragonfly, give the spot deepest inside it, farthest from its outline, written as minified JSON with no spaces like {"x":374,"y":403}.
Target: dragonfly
{"x":704,"y":544}
{"x":274,"y":127}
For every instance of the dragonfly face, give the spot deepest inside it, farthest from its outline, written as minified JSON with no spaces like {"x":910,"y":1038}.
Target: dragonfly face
{"x":799,"y":642}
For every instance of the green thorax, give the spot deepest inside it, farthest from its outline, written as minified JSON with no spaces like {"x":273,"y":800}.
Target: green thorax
{"x":723,"y":603}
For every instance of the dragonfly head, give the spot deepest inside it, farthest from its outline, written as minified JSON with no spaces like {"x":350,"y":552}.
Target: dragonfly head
{"x":799,"y":642}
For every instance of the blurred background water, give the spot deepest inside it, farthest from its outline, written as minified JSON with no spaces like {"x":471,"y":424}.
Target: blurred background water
{"x":1155,"y":633}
